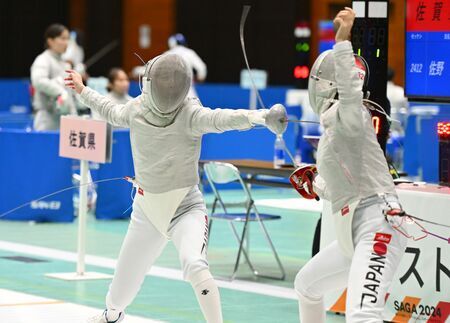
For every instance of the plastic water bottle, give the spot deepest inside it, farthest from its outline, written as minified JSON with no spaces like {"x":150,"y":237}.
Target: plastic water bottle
{"x":397,"y":157}
{"x":298,"y":157}
{"x":279,"y":153}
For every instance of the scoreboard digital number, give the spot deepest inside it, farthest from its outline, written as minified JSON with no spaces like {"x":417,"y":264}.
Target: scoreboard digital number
{"x":370,"y":40}
{"x":376,"y":121}
{"x":376,"y":37}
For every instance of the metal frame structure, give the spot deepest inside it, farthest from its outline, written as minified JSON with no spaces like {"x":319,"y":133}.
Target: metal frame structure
{"x":224,"y":173}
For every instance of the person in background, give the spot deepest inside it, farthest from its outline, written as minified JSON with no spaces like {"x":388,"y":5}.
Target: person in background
{"x":75,"y":52}
{"x":118,"y":86}
{"x":178,"y":45}
{"x":399,"y":103}
{"x":51,"y":99}
{"x":395,"y":93}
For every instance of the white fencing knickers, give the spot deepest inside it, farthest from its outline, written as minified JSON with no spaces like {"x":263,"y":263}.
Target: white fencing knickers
{"x":143,"y":244}
{"x":367,"y":276}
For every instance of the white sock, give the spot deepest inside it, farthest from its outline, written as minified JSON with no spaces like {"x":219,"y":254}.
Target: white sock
{"x":311,"y":311}
{"x":208,"y":296}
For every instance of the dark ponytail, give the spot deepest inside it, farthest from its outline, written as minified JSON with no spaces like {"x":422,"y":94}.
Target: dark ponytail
{"x":53,"y":31}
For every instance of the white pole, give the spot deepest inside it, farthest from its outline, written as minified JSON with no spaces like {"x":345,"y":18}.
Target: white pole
{"x":253,"y":101}
{"x":82,"y":214}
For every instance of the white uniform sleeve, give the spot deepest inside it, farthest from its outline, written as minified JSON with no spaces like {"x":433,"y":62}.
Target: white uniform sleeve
{"x":115,"y":114}
{"x":205,"y":120}
{"x":41,"y":81}
{"x":349,"y":86}
{"x":198,"y":65}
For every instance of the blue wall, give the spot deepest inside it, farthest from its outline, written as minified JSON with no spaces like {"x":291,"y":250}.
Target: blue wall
{"x":420,"y":155}
{"x":257,"y":143}
{"x":27,"y":174}
{"x":229,"y":95}
{"x":14,"y":92}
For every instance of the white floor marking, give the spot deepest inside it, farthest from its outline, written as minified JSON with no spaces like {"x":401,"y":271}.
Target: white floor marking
{"x":296,"y":204}
{"x":168,"y":273}
{"x":25,"y":308}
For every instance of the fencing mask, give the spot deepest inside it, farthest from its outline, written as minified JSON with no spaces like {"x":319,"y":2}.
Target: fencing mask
{"x":166,"y":82}
{"x":322,"y":86}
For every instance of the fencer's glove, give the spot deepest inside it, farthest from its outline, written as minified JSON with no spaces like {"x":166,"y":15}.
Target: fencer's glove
{"x":62,"y":103}
{"x":393,"y":213}
{"x":302,"y":180}
{"x":275,"y":119}
{"x":258,"y":117}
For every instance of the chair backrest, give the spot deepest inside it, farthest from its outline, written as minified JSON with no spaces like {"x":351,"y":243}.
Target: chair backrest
{"x":224,"y":173}
{"x":221,"y":173}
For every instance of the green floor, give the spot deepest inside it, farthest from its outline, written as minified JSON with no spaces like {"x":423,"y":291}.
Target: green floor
{"x":160,"y":298}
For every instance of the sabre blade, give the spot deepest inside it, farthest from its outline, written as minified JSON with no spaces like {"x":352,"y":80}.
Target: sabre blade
{"x":57,"y":192}
{"x":301,"y":121}
{"x":245,"y":12}
{"x":101,"y":53}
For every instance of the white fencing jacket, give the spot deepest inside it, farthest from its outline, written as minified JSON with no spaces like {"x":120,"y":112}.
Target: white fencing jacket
{"x":166,"y":158}
{"x":350,"y":162}
{"x":47,"y":77}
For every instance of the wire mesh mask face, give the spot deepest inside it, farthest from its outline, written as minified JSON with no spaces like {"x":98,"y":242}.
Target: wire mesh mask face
{"x":166,"y":82}
{"x":322,"y":86}
{"x":322,"y":82}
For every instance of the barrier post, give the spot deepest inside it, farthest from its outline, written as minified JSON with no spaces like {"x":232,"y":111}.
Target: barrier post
{"x":85,"y":140}
{"x":82,"y":214}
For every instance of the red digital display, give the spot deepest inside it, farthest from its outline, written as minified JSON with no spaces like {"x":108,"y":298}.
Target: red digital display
{"x":423,"y":15}
{"x":443,"y":129}
{"x":301,"y":72}
{"x":376,"y":124}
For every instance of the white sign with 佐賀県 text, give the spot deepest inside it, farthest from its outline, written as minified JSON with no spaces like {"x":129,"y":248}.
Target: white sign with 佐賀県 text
{"x":85,"y":139}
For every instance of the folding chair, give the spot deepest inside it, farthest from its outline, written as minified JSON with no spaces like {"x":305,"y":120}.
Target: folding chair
{"x":224,"y":173}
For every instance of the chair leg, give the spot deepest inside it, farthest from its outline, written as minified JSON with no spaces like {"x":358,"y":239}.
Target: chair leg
{"x":246,"y":255}
{"x":274,"y":252}
{"x":209,"y":230}
{"x":241,"y":244}
{"x":247,"y":240}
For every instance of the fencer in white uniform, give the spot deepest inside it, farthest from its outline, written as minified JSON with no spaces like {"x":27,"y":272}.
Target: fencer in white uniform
{"x":177,"y":45}
{"x":353,"y":175}
{"x":51,"y":99}
{"x":399,"y":104}
{"x":166,"y":129}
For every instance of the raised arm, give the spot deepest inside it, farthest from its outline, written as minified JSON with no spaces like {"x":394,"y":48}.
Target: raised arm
{"x":348,"y":78}
{"x":116,"y":114}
